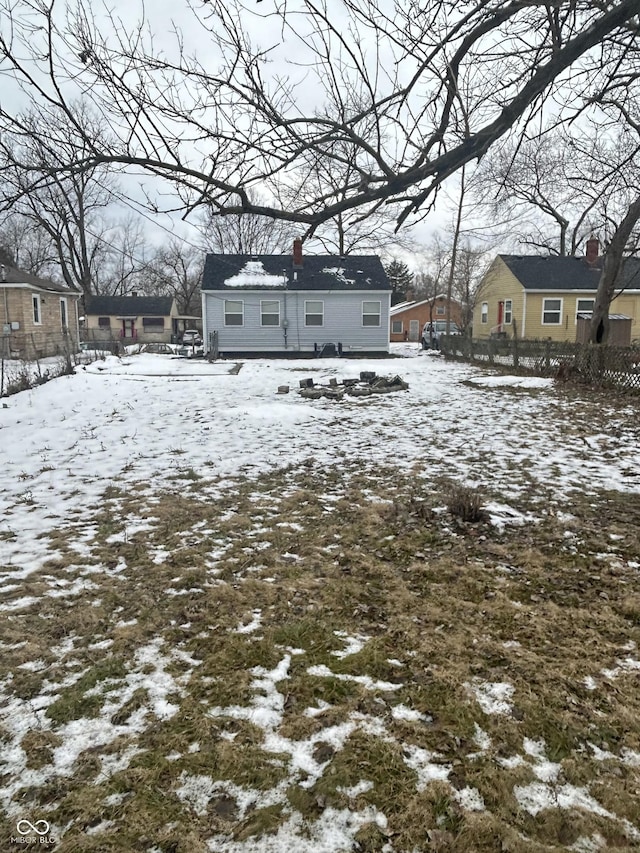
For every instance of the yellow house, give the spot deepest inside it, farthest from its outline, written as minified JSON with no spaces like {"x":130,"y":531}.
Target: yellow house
{"x":540,"y":297}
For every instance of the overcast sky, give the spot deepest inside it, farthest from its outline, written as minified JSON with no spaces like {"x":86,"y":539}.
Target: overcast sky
{"x":163,"y":18}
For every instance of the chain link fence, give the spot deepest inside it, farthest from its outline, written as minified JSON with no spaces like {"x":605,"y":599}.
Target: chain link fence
{"x":594,"y":364}
{"x":27,"y":360}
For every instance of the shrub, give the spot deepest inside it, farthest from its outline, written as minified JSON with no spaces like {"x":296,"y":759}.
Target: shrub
{"x":465,"y":503}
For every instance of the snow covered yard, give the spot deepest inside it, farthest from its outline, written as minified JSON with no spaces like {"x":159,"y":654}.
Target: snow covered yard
{"x":238,"y":621}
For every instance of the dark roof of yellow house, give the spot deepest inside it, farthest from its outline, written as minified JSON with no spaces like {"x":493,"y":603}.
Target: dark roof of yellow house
{"x":554,"y":272}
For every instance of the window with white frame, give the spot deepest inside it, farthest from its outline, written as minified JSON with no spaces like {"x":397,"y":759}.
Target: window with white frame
{"x":484,"y":312}
{"x":584,"y":306}
{"x":313,"y":312}
{"x":508,"y":312}
{"x":440,"y":311}
{"x":397,"y":327}
{"x":371,"y":313}
{"x":551,"y":312}
{"x":233,"y":312}
{"x":37,"y":309}
{"x":269,"y":312}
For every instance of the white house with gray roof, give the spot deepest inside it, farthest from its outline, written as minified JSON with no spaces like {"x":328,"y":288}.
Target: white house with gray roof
{"x":295,"y":305}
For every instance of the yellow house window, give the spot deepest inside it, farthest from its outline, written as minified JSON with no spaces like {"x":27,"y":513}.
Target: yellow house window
{"x":508,"y":312}
{"x":551,"y":312}
{"x":484,"y":313}
{"x":584,"y":306}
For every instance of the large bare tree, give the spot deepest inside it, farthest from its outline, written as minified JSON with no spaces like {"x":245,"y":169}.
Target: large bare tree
{"x":176,"y":270}
{"x":27,"y":246}
{"x":68,"y":206}
{"x":268,"y":87}
{"x":550,"y":193}
{"x":250,"y":234}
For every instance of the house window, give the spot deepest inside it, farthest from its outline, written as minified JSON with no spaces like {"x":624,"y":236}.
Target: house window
{"x":153,"y":324}
{"x":37,"y":310}
{"x":508,"y":312}
{"x":440,"y":312}
{"x":233,"y":312}
{"x":484,"y":313}
{"x":313,"y":313}
{"x":64,"y":320}
{"x":269,"y":312}
{"x":371,"y":313}
{"x":551,"y":312}
{"x":104,"y":322}
{"x":397,"y":327}
{"x":584,"y":306}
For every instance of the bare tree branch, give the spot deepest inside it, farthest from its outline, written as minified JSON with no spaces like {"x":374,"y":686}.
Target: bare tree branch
{"x":242,"y":117}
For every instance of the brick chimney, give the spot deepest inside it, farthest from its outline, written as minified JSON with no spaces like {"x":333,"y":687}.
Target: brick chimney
{"x":593,"y":249}
{"x":297,"y":252}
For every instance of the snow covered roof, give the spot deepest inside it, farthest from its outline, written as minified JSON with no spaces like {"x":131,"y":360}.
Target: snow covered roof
{"x":276,"y":272}
{"x":253,"y":274}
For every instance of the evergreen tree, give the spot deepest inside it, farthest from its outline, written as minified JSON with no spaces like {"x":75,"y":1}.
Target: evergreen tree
{"x":401,"y":279}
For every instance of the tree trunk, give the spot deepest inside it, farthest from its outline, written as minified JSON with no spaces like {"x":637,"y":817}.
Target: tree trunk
{"x":613,"y":258}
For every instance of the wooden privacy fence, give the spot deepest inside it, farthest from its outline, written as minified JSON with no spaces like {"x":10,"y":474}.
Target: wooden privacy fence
{"x":594,"y":364}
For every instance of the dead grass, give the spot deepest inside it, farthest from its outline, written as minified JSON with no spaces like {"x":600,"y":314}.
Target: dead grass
{"x":442,"y":599}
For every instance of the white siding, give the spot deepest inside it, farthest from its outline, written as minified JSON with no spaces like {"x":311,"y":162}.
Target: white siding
{"x":342,"y":321}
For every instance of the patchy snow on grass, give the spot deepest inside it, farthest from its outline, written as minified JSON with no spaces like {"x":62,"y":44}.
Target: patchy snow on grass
{"x":266,"y":707}
{"x":251,"y":626}
{"x":426,"y":767}
{"x":333,"y":831}
{"x":539,"y":796}
{"x":481,"y":738}
{"x":115,"y":426}
{"x":501,"y":381}
{"x":353,"y":645}
{"x":323,"y":671}
{"x":493,"y":697}
{"x":470,"y":799}
{"x":409,"y":715}
{"x":501,"y":514}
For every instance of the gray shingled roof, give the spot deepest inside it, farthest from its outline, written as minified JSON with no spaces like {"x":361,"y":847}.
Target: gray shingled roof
{"x":129,"y":306}
{"x":318,"y":272}
{"x":541,"y":272}
{"x":12,"y":275}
